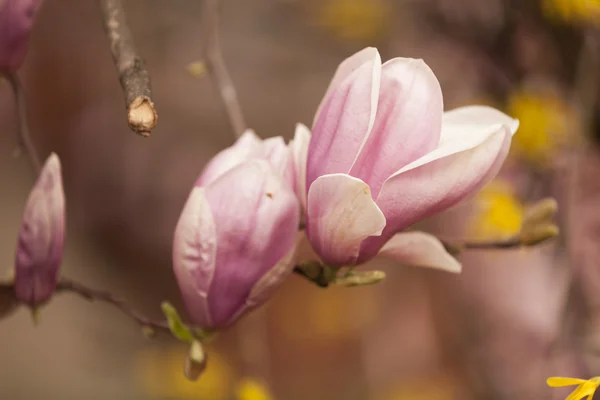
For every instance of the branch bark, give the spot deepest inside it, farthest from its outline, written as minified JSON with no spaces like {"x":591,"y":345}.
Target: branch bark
{"x":23,"y":127}
{"x":215,"y":64}
{"x":67,"y":285}
{"x":133,"y":75}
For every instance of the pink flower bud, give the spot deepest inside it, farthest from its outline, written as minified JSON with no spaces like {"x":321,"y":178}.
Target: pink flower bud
{"x":384,"y":155}
{"x":234,"y":243}
{"x":249,"y":147}
{"x":42,"y":236}
{"x":16,"y":21}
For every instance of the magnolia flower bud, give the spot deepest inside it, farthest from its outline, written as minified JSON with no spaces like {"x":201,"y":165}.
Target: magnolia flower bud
{"x":234,"y":243}
{"x":42,"y":236}
{"x":250,"y":147}
{"x":16,"y":21}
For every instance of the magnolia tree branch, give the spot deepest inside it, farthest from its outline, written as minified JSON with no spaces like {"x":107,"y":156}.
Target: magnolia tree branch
{"x":215,"y":64}
{"x":133,"y":75}
{"x":22,"y":125}
{"x":67,"y":285}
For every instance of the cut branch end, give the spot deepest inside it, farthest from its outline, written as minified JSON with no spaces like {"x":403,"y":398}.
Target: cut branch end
{"x":142,"y":116}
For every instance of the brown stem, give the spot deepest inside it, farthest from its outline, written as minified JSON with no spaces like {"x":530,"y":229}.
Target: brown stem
{"x":133,"y":75}
{"x":23,"y":126}
{"x":67,"y":285}
{"x":456,"y":246}
{"x":218,"y":70}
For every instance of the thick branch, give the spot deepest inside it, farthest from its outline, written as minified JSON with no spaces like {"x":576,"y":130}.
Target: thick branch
{"x":217,"y":68}
{"x":67,"y":285}
{"x":133,"y":75}
{"x":23,"y":126}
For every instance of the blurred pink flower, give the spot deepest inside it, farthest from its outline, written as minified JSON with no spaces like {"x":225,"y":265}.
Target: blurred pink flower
{"x":248,"y":147}
{"x":383,"y":155}
{"x":42,"y":236}
{"x":234,"y":243}
{"x":16,"y":21}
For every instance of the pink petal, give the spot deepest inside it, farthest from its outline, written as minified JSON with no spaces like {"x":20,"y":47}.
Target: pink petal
{"x":419,"y":249}
{"x":280,"y":157}
{"x":256,"y":217}
{"x":408,"y":121}
{"x":299,"y":146}
{"x":345,"y":120}
{"x":473,"y":119}
{"x":194,"y":255}
{"x":439,"y":180}
{"x":266,"y":286}
{"x":347,"y":67}
{"x":42,"y":237}
{"x":246,"y":147}
{"x":16,"y":21}
{"x":340,"y":215}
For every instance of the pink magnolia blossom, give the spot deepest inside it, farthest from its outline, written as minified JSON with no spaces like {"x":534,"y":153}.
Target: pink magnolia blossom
{"x":16,"y":21}
{"x":234,"y":243}
{"x":384,"y":155}
{"x":42,"y":237}
{"x":249,"y":147}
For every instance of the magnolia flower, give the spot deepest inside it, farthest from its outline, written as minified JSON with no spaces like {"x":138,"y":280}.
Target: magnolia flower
{"x":234,"y":243}
{"x":249,"y":147}
{"x":42,"y":236}
{"x":383,"y":155}
{"x":585,"y":387}
{"x":16,"y":21}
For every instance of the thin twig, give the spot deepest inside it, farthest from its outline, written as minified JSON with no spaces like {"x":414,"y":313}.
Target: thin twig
{"x":456,"y":246}
{"x":23,"y":126}
{"x":67,"y":285}
{"x":510,"y":243}
{"x":215,"y":65}
{"x":133,"y":75}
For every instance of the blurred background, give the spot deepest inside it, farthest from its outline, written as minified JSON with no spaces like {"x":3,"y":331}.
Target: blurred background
{"x":513,"y":318}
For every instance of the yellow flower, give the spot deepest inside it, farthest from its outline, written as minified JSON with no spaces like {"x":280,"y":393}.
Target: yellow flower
{"x":585,"y":388}
{"x":197,"y":69}
{"x":251,"y":389}
{"x":354,"y":19}
{"x":573,"y":10}
{"x":436,"y":388}
{"x":543,"y":125}
{"x":499,"y":213}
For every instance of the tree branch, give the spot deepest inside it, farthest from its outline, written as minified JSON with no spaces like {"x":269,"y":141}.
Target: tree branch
{"x":67,"y":285}
{"x":133,"y":75}
{"x":23,"y":127}
{"x":215,"y":65}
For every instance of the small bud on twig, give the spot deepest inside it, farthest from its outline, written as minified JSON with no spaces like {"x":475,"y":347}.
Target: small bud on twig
{"x":195,"y":362}
{"x":542,"y":211}
{"x":538,"y":234}
{"x":359,"y":278}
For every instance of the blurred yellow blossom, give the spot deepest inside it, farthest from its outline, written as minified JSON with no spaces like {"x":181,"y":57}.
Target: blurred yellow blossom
{"x":544,"y":120}
{"x":499,"y":214}
{"x":573,"y":11}
{"x":584,"y":389}
{"x":332,"y":314}
{"x":252,"y":389}
{"x":197,"y":69}
{"x":159,"y":373}
{"x":364,"y":20}
{"x":431,"y":389}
